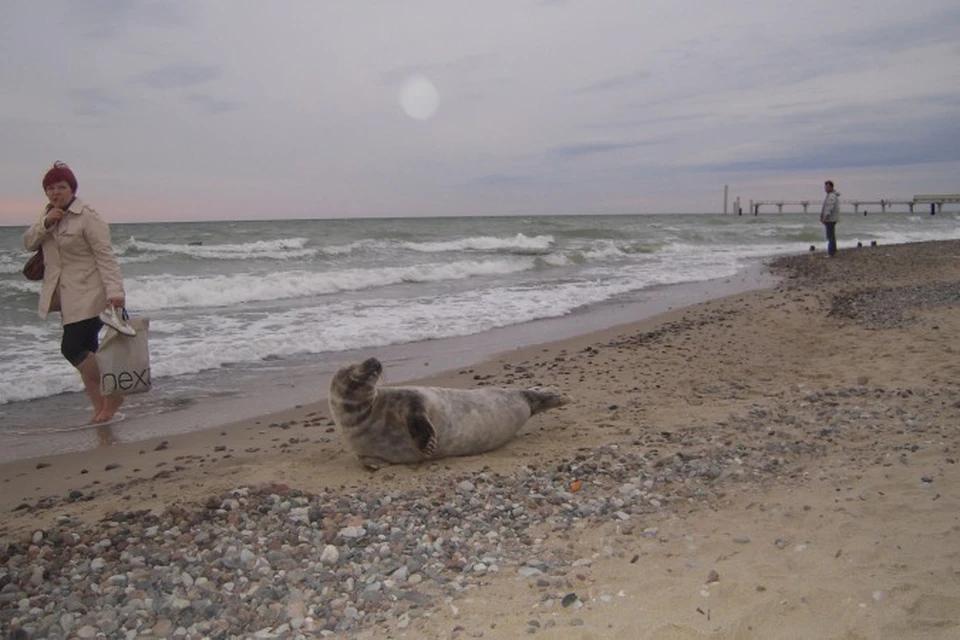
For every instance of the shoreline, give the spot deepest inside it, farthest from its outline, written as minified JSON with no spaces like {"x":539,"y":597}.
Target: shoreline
{"x":258,"y":390}
{"x":81,"y":466}
{"x":781,"y":459}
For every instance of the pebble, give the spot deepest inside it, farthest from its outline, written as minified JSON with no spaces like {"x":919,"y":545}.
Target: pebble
{"x":330,"y":555}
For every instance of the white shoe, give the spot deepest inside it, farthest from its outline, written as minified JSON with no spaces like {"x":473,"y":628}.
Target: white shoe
{"x":118,"y":321}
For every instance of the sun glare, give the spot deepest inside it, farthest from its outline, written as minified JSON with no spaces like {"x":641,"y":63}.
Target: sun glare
{"x":419,"y":98}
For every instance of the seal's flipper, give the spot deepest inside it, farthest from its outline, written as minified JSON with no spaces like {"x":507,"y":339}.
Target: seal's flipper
{"x":543,"y":399}
{"x":423,"y":434}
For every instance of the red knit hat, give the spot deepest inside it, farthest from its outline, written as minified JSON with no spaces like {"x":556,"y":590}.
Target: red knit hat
{"x":60,"y":172}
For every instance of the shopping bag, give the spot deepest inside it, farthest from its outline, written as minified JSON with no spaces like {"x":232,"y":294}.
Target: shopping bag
{"x":125,"y":361}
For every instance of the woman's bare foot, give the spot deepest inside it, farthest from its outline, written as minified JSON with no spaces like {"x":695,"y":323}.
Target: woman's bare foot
{"x":97,"y":410}
{"x":110,"y":406}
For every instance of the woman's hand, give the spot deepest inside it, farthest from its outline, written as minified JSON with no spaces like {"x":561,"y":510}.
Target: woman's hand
{"x":118,"y":302}
{"x":53,"y":217}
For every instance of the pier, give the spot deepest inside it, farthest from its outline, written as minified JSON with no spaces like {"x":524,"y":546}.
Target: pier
{"x":934,"y":200}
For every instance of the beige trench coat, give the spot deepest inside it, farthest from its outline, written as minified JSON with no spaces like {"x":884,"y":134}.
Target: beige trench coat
{"x":80,"y":268}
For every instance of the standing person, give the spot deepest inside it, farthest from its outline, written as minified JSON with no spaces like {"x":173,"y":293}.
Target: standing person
{"x":81,"y":278}
{"x":830,"y":215}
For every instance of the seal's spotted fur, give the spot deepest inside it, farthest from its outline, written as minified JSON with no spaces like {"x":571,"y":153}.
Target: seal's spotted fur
{"x":396,"y":425}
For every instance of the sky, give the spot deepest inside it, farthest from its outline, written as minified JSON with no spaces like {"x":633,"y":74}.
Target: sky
{"x":244,"y":109}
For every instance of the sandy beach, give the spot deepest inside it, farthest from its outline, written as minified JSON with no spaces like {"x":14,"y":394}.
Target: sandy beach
{"x":773,"y":464}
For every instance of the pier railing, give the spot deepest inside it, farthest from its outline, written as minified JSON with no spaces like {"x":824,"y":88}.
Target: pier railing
{"x":936,"y":202}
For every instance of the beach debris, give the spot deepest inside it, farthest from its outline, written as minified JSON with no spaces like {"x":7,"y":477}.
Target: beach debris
{"x":575,"y":486}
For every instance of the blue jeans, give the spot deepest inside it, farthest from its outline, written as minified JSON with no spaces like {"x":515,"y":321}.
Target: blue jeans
{"x":831,"y":228}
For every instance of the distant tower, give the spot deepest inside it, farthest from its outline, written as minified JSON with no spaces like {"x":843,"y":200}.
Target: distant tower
{"x":726,"y":192}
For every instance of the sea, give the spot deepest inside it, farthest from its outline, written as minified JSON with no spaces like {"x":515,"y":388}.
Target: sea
{"x":248,"y":317}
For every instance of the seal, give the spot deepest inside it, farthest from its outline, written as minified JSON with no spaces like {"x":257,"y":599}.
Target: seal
{"x":402,"y":425}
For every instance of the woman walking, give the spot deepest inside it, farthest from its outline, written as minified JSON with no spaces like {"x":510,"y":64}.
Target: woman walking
{"x":81,"y":279}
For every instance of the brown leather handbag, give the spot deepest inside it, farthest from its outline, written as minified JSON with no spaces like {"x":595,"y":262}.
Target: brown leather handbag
{"x":33,"y":270}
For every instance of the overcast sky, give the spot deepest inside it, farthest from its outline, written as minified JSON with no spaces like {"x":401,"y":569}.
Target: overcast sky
{"x":235,"y":109}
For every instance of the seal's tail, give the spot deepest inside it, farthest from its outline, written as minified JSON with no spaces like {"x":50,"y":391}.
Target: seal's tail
{"x":543,"y":399}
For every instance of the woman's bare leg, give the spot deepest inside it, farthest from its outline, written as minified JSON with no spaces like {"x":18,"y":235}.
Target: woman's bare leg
{"x":90,"y":373}
{"x":110,"y":406}
{"x":104,"y":407}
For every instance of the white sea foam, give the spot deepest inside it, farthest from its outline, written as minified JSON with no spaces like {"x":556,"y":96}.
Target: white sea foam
{"x":211,"y":340}
{"x":603,"y":250}
{"x":283,"y":249}
{"x":517,"y":244}
{"x":169,"y":291}
{"x":11,"y":267}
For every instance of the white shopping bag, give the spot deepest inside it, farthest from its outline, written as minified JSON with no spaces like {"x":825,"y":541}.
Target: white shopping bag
{"x":125,"y":361}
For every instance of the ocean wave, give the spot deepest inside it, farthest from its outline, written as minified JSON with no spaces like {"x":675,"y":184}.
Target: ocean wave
{"x":168,"y":291}
{"x":283,"y":249}
{"x":12,"y":261}
{"x":518,"y":244}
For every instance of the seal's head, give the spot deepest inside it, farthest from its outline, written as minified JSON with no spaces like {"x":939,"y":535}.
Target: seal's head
{"x":354,"y":387}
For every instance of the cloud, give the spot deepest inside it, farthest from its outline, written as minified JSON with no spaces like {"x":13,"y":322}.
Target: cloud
{"x":650,"y":121}
{"x":458,"y":66}
{"x":501,"y":180}
{"x":177,"y":76}
{"x":212,"y":104}
{"x":94,"y":102}
{"x":591,"y":148}
{"x":109,"y":19}
{"x":933,"y":141}
{"x":901,"y":35}
{"x":616,"y":82}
